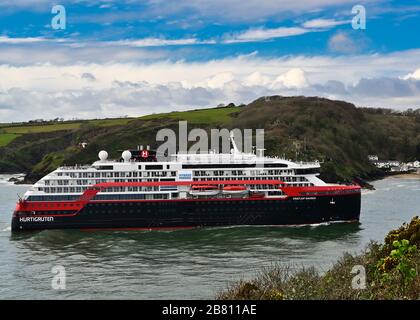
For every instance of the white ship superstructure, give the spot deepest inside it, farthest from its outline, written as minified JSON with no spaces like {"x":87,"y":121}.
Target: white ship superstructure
{"x":69,"y":182}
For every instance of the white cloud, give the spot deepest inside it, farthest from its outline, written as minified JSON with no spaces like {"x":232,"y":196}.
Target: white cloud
{"x":219,"y":80}
{"x":251,"y":35}
{"x":159,"y":42}
{"x":76,"y":53}
{"x":256,"y":79}
{"x":225,"y":11}
{"x":261,"y":34}
{"x":387,"y":87}
{"x":5,"y":39}
{"x":28,"y":40}
{"x":342,"y":42}
{"x":318,"y":69}
{"x":413,"y":75}
{"x":294,"y":78}
{"x":88,"y":76}
{"x":139,"y":98}
{"x":323,"y":23}
{"x":162,"y":86}
{"x":145,"y":42}
{"x":239,"y":10}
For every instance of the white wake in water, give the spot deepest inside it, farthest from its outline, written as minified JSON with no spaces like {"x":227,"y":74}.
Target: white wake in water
{"x":314,"y":225}
{"x":366,"y":192}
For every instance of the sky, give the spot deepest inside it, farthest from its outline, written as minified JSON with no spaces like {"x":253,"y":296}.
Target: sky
{"x":94,"y":59}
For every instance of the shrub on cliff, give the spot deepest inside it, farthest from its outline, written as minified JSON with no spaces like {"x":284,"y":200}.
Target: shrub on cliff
{"x":391,"y":270}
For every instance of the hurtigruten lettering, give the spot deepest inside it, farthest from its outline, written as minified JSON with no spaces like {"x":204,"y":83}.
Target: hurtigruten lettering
{"x":36,"y":219}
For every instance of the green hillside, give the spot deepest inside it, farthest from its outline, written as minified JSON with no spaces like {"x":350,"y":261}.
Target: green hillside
{"x":207,"y":116}
{"x":306,"y":128}
{"x":6,"y":138}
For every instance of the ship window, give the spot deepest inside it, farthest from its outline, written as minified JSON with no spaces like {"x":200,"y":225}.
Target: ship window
{"x":154,"y":167}
{"x":307,"y":171}
{"x":105,"y":168}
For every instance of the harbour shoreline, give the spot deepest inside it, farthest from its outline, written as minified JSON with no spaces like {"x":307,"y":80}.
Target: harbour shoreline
{"x":406,"y":176}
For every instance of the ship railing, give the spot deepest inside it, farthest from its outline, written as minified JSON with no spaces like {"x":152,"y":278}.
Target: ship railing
{"x":76,"y":167}
{"x":308,"y":163}
{"x":212,"y":158}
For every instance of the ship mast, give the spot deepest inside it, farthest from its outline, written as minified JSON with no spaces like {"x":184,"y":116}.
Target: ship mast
{"x":232,"y":140}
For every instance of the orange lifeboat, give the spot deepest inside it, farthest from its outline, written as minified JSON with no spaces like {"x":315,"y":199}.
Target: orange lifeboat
{"x":204,"y":190}
{"x":234,"y":190}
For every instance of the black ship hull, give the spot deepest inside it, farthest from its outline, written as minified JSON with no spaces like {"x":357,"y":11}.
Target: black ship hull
{"x":192,"y":213}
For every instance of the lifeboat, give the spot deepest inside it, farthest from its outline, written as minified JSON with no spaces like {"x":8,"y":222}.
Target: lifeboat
{"x":204,"y":190}
{"x":234,"y":190}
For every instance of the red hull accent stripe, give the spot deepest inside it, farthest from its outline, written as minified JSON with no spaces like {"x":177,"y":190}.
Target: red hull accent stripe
{"x":186,"y":183}
{"x":72,"y":208}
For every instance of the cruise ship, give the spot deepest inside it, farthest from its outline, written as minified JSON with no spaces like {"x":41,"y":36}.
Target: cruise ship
{"x":138,"y":192}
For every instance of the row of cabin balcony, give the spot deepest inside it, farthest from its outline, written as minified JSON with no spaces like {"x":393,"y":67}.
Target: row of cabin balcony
{"x":92,"y":181}
{"x":131,"y":189}
{"x":111,"y":189}
{"x":79,"y":189}
{"x":284,"y":179}
{"x":84,"y":182}
{"x":120,"y":174}
{"x":210,"y":173}
{"x":170,"y":173}
{"x":129,"y":174}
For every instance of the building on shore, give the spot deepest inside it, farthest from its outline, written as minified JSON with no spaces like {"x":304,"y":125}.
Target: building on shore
{"x":394,"y":165}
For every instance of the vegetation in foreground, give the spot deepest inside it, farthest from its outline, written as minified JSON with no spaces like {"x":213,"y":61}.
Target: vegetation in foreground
{"x":391,"y":269}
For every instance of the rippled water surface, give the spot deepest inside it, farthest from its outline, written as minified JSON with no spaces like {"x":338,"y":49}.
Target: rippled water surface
{"x":185,"y":264}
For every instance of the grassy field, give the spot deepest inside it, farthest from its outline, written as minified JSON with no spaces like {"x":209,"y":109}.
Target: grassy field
{"x":41,"y":128}
{"x":110,"y":122}
{"x":194,"y":116}
{"x":71,"y":125}
{"x":6,"y":138}
{"x":8,"y":132}
{"x":219,"y":115}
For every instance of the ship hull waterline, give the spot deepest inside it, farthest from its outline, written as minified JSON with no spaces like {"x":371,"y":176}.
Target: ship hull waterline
{"x":195,"y":213}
